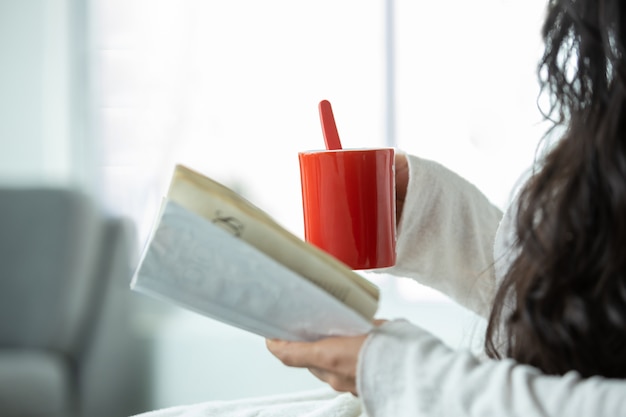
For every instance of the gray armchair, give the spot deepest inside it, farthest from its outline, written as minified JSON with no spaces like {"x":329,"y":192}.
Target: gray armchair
{"x":67,"y":346}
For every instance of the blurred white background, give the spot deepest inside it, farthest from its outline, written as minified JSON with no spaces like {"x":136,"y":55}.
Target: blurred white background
{"x":124,"y":89}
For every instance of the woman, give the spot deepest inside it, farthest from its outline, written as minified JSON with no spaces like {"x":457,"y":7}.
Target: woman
{"x":549,"y":275}
{"x":560,"y":260}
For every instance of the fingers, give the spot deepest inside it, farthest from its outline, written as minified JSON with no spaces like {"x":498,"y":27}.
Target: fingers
{"x":328,"y":354}
{"x":332,"y":360}
{"x":297,"y":354}
{"x":402,"y":181}
{"x":336,"y":354}
{"x":332,"y":353}
{"x":341,"y":383}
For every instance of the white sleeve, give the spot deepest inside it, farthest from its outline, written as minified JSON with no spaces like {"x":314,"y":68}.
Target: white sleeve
{"x":446,"y":235}
{"x":405,"y":371}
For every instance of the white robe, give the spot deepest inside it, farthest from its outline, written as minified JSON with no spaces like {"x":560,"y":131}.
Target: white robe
{"x":452,"y":239}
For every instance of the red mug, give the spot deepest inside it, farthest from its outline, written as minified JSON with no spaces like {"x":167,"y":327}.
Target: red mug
{"x":349,"y":203}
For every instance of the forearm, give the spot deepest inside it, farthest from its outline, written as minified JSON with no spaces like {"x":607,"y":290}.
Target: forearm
{"x":404,"y":370}
{"x":446,"y":235}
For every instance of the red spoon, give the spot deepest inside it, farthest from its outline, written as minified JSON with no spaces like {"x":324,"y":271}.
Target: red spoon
{"x":329,"y":128}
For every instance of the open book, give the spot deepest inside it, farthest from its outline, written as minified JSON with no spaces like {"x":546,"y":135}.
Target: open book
{"x":214,"y":252}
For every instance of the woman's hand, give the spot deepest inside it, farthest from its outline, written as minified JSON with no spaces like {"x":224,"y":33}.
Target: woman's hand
{"x":402,"y":182}
{"x":333,"y":360}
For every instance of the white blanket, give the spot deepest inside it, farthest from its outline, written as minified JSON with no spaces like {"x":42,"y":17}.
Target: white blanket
{"x":317,"y":403}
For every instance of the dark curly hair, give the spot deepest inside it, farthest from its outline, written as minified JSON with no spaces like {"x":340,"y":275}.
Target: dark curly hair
{"x":562,"y":304}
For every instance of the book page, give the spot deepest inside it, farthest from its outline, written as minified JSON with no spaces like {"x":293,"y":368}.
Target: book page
{"x":241,"y":218}
{"x":198,"y":265}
